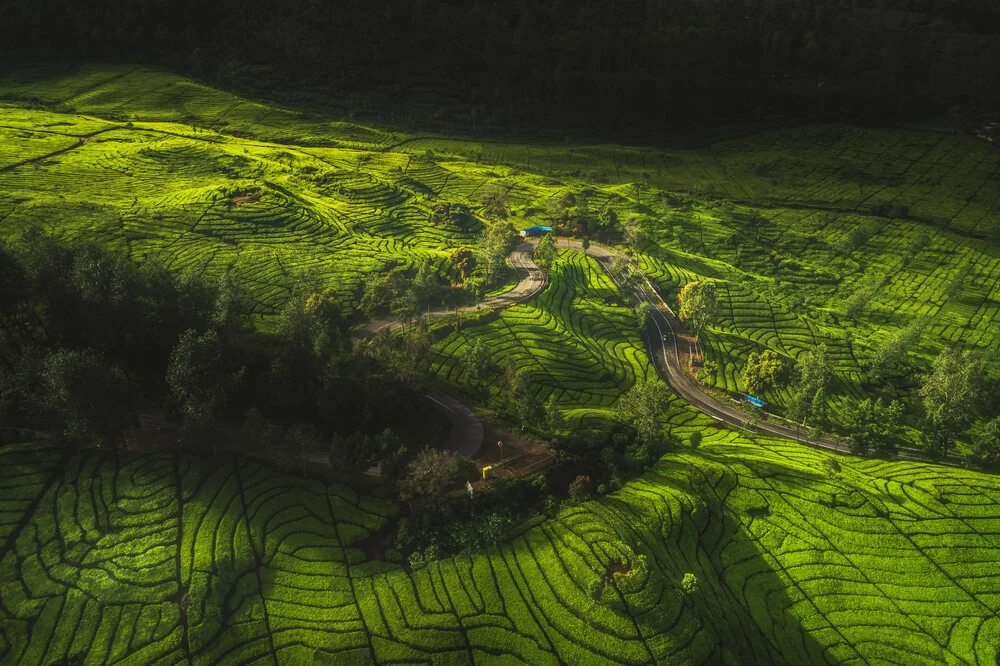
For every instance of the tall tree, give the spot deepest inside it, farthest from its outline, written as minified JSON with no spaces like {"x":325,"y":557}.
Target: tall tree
{"x":496,"y":242}
{"x":641,"y":408}
{"x":427,"y":288}
{"x":763,"y":371}
{"x":495,"y":201}
{"x":430,"y":476}
{"x":635,"y":232}
{"x":698,"y":305}
{"x":553,"y":416}
{"x":93,"y":400}
{"x":813,"y":371}
{"x":476,"y":362}
{"x":545,"y":252}
{"x":873,"y":426}
{"x":200,"y":379}
{"x":890,"y":356}
{"x":953,"y":395}
{"x":986,"y":444}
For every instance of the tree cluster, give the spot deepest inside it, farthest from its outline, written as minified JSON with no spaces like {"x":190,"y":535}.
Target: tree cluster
{"x":89,"y":340}
{"x":609,"y":65}
{"x":810,"y":387}
{"x":953,"y":395}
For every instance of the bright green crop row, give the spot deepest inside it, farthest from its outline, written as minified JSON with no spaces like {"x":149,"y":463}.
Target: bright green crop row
{"x":888,"y":562}
{"x":576,"y":344}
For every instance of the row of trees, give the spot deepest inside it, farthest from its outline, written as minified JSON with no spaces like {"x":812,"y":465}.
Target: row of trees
{"x":954,"y":396}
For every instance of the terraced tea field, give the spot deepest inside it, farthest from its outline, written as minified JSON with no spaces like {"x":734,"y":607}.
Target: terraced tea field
{"x":173,"y":558}
{"x":205,"y":181}
{"x":161,"y":558}
{"x":575,"y":344}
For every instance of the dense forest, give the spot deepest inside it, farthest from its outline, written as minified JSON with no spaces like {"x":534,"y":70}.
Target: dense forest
{"x":600,"y":66}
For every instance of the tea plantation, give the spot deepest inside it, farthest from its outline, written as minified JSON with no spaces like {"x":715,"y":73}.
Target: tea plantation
{"x":164,"y":558}
{"x":169,"y":558}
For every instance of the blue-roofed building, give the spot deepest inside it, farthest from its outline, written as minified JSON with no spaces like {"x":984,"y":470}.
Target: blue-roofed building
{"x":534,"y":231}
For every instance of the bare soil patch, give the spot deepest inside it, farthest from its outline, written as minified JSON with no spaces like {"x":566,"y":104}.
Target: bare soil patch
{"x":244,"y":198}
{"x":521,"y":455}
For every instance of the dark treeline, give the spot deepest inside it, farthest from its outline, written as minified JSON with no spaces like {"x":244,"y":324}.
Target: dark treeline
{"x":605,"y":66}
{"x":90,"y":341}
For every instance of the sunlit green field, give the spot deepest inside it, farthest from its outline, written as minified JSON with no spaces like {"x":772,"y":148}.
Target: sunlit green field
{"x":166,"y":558}
{"x":170,"y":169}
{"x":161,"y":558}
{"x":576,"y":344}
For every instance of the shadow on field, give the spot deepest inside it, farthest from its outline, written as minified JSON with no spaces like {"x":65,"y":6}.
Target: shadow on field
{"x":741,"y":598}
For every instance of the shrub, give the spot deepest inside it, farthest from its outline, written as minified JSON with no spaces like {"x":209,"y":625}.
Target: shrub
{"x":580,"y":489}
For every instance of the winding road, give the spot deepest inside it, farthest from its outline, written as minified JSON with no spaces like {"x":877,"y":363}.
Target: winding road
{"x":667,"y":342}
{"x":666,"y":337}
{"x":467,"y":431}
{"x":531,"y":282}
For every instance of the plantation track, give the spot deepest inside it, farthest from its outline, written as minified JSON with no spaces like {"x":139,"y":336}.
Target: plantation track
{"x":531,"y":281}
{"x":467,"y":430}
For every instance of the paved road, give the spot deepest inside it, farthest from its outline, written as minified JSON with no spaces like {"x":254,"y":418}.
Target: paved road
{"x":467,"y":430}
{"x":667,"y":340}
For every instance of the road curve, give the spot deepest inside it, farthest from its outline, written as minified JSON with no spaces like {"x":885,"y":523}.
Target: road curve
{"x":666,"y":337}
{"x":531,"y":281}
{"x":467,"y":431}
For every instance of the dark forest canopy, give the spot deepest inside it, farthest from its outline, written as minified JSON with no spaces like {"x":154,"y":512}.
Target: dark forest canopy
{"x":606,"y":66}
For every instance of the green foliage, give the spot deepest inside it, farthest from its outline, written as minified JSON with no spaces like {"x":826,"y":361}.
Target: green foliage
{"x":643,"y":312}
{"x":94,"y":402}
{"x":890,"y":357}
{"x":832,"y":467}
{"x":545,"y":252}
{"x":350,"y":212}
{"x":495,"y":244}
{"x":200,"y":378}
{"x":698,"y":305}
{"x":464,"y":261}
{"x":495,"y":201}
{"x":553,"y":416}
{"x":641,"y":409}
{"x":861,"y":294}
{"x":635,"y":231}
{"x":580,"y":489}
{"x":432,"y":474}
{"x":873,"y":427}
{"x":615,"y":561}
{"x":986,"y":444}
{"x":477,"y":364}
{"x":763,"y":371}
{"x":952,"y":396}
{"x":809,"y":389}
{"x":689,"y":583}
